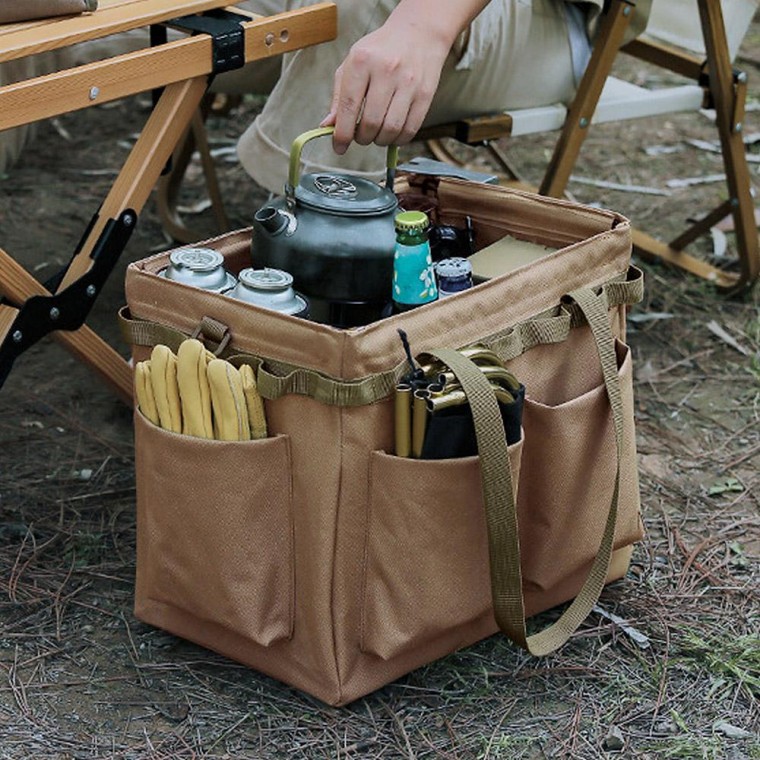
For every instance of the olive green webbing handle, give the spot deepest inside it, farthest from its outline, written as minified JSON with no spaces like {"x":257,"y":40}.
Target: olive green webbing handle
{"x":499,"y":497}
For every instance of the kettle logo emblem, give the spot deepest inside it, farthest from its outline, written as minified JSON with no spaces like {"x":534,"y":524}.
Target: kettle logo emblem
{"x":334,"y":186}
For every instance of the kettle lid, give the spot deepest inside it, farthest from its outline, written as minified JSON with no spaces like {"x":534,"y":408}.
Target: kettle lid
{"x":344,"y":194}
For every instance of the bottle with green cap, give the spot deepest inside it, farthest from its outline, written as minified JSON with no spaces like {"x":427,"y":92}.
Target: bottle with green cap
{"x":413,"y":275}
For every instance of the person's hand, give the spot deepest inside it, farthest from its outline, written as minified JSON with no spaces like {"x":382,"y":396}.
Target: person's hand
{"x":383,"y":89}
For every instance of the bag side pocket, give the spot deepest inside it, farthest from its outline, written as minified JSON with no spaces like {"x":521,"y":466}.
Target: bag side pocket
{"x":215,"y":530}
{"x":426,"y":565}
{"x":567,"y":477}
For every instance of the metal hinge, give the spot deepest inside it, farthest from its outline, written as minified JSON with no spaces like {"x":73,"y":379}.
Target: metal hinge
{"x":226,"y":32}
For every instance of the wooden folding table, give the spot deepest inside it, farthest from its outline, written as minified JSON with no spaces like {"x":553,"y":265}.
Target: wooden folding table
{"x":219,"y":39}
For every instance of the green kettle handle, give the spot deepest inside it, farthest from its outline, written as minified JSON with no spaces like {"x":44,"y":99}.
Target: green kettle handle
{"x":295,"y":162}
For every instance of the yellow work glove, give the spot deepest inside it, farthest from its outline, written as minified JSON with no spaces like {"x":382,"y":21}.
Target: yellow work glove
{"x":144,"y":391}
{"x":163,"y":376}
{"x":194,"y":391}
{"x":228,"y":402}
{"x":253,"y":402}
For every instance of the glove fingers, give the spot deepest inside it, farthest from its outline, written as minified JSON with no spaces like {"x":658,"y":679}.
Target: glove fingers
{"x":253,"y":402}
{"x":194,"y":391}
{"x":164,"y":380}
{"x":144,"y":392}
{"x":228,"y":402}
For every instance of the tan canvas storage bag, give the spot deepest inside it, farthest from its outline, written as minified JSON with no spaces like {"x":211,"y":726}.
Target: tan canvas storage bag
{"x":319,"y":557}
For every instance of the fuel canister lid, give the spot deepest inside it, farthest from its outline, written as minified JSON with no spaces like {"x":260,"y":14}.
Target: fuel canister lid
{"x":266,"y":279}
{"x":199,"y":266}
{"x":344,"y":194}
{"x":271,"y":289}
{"x":456,"y":266}
{"x":196,"y":259}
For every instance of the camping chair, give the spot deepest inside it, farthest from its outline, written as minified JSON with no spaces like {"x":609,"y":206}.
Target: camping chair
{"x":704,"y":55}
{"x":180,"y":70}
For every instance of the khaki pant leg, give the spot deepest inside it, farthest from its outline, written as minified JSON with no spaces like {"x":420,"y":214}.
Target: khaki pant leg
{"x":516,"y":54}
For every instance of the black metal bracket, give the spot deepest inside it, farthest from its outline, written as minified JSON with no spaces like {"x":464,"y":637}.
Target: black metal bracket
{"x":67,"y":310}
{"x":738,"y":76}
{"x":227,"y":36}
{"x":159,"y":36}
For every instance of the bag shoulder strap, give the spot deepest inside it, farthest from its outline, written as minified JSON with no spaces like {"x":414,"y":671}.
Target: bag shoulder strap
{"x":499,"y":497}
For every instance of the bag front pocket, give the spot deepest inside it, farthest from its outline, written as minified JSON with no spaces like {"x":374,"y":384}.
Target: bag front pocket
{"x":215,"y":529}
{"x":567,"y":481}
{"x":426,"y":561}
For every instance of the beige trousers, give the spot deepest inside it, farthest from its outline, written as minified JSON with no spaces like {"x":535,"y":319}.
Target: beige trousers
{"x":516,"y":54}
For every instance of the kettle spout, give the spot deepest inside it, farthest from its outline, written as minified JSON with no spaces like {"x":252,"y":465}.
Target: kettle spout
{"x":272,"y":219}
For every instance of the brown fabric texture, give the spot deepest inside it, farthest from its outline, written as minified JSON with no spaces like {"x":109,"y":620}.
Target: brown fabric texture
{"x":568,"y":444}
{"x":338,"y":567}
{"x":429,"y":526}
{"x":27,"y":10}
{"x":228,"y":531}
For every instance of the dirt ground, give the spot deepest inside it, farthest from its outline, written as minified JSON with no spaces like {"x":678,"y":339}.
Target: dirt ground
{"x":80,"y":677}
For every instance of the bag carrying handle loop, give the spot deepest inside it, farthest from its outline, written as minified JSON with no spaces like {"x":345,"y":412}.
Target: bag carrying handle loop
{"x":499,"y":497}
{"x":212,"y":330}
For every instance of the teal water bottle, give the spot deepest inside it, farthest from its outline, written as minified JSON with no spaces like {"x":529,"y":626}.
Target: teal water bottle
{"x":413,"y":274}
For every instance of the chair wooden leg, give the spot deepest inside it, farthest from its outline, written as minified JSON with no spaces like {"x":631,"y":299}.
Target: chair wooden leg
{"x":584,"y":104}
{"x":651,"y":248}
{"x":168,"y":187}
{"x":170,"y":184}
{"x":727,"y":91}
{"x":209,"y":171}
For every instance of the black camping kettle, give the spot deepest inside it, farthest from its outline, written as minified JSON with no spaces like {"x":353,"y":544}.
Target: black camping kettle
{"x":334,"y":233}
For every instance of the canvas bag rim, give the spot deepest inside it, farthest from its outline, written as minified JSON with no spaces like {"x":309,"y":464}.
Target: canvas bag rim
{"x":276,"y":378}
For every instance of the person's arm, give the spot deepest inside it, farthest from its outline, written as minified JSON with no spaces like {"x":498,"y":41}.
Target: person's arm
{"x":383,"y":89}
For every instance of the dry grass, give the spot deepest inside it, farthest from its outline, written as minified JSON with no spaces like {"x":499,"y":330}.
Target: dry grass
{"x":81,"y":678}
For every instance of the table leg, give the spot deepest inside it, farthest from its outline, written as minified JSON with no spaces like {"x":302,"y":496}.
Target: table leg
{"x":84,"y":344}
